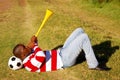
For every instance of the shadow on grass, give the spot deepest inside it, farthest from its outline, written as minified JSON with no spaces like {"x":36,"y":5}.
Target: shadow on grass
{"x":103,"y":52}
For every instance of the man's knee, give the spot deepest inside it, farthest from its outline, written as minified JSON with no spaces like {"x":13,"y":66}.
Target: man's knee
{"x":80,"y":30}
{"x":85,"y":36}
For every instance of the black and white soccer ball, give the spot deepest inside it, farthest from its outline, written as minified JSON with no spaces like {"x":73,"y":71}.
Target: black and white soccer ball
{"x":15,"y":63}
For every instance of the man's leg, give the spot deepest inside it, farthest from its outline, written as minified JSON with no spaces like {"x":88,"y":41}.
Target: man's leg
{"x":89,"y":53}
{"x":73,"y":49}
{"x":73,"y":35}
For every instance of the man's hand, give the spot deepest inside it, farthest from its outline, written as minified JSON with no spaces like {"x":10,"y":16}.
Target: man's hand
{"x":34,"y":39}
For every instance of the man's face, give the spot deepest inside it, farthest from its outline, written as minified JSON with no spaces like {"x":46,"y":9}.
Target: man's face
{"x":25,"y":52}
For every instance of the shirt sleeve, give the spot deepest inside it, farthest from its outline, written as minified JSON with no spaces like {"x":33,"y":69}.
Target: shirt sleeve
{"x":39,"y":57}
{"x":35,"y":60}
{"x":36,"y":48}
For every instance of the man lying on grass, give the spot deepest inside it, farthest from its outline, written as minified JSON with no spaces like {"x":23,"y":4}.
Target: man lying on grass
{"x":36,"y":60}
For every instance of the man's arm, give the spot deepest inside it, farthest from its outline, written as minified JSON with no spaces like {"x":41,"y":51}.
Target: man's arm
{"x":32,"y":42}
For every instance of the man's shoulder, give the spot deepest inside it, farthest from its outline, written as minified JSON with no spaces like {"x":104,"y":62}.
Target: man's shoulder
{"x":27,"y":58}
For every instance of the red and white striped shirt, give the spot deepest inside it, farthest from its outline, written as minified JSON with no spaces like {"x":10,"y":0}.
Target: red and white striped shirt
{"x":42,"y":61}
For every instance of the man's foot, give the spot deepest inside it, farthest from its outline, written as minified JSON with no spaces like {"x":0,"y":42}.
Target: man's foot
{"x":101,"y":68}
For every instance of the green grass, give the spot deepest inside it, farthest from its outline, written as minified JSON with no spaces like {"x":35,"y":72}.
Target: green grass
{"x":100,"y":21}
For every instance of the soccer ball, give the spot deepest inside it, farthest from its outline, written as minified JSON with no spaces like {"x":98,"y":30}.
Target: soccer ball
{"x":15,"y":63}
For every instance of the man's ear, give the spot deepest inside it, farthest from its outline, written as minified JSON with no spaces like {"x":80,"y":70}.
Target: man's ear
{"x":22,"y":56}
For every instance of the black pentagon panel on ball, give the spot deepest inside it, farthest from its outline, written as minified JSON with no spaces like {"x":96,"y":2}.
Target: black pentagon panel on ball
{"x":11,"y":66}
{"x":13,"y":59}
{"x":18,"y":64}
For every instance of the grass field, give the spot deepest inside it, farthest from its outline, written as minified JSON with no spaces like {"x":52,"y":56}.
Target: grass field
{"x":20,"y":19}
